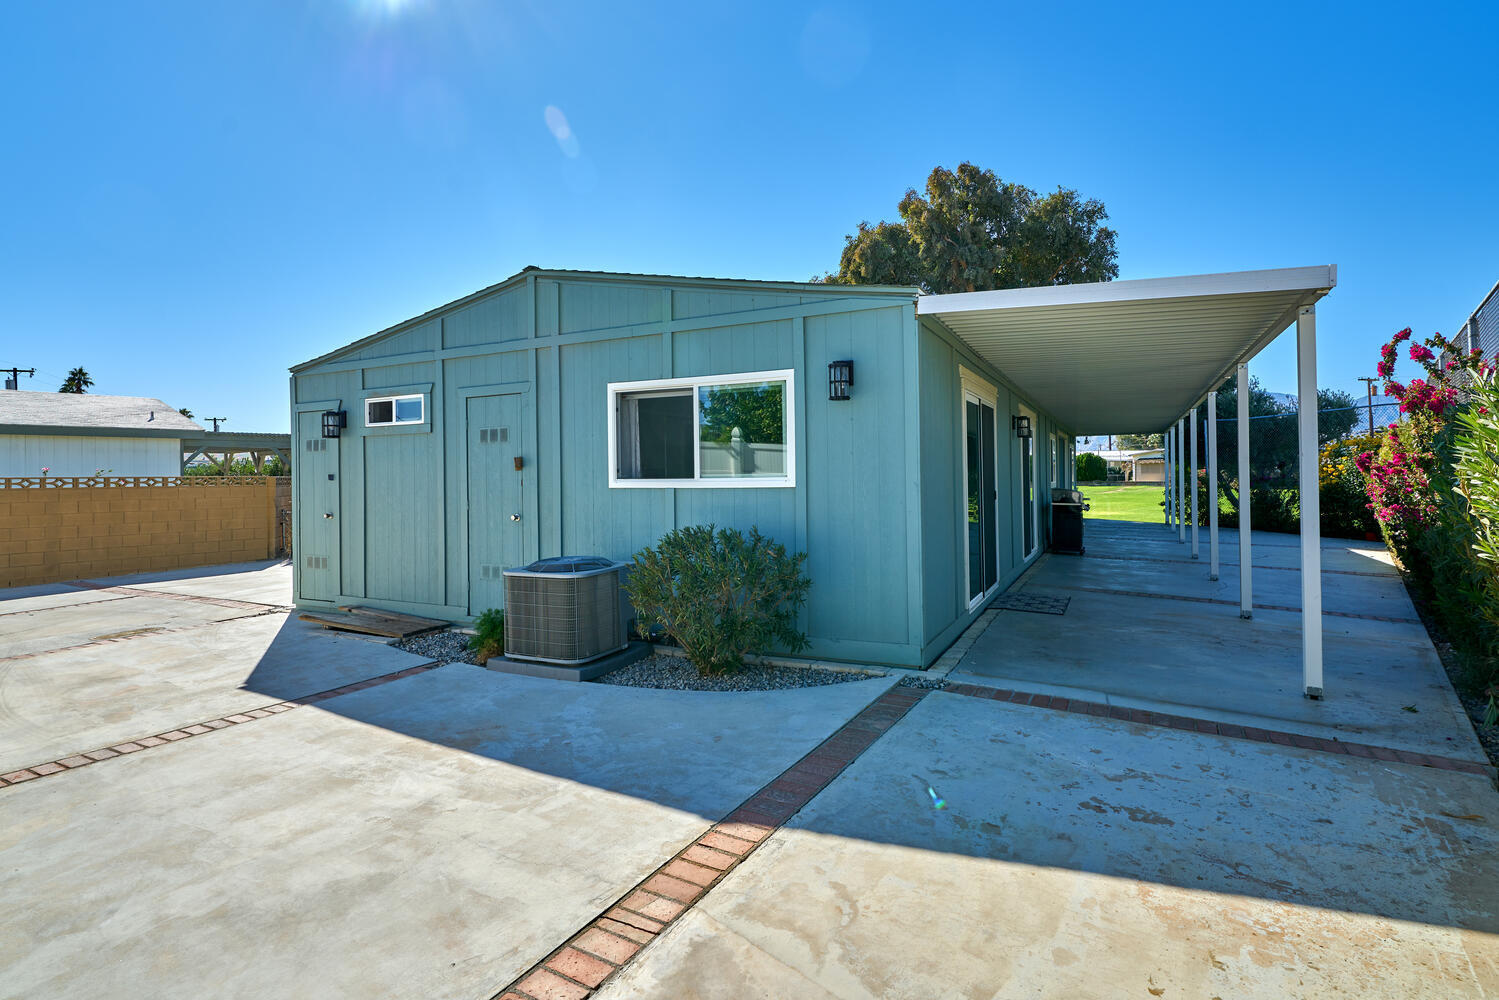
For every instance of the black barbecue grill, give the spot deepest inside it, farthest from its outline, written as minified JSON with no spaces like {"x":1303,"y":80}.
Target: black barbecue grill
{"x":1067,"y":508}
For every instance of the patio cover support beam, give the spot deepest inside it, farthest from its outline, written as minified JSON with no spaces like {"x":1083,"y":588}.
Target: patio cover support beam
{"x":1166,"y":475}
{"x":1192,"y":481}
{"x":1311,"y":515}
{"x":1181,"y":480}
{"x":1213,"y":485}
{"x":1246,"y":584}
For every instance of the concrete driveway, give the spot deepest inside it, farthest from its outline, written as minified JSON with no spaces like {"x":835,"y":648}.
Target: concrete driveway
{"x":432,"y":835}
{"x":242,"y":806}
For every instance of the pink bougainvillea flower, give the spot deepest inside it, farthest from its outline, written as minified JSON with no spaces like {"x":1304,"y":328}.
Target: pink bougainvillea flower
{"x":1402,"y":335}
{"x":1395,"y":389}
{"x":1422,"y":354}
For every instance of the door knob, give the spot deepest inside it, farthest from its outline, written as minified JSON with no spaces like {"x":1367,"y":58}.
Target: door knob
{"x":328,"y":516}
{"x":515,"y":517}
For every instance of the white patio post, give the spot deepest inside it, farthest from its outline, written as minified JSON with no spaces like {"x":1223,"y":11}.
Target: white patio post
{"x":1192,"y":479}
{"x":1311,"y":514}
{"x":1166,"y":473}
{"x":1213,"y":485}
{"x":1246,"y":588}
{"x":1181,"y":480}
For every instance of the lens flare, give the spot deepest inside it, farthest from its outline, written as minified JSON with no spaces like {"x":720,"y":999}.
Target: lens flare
{"x":562,"y":131}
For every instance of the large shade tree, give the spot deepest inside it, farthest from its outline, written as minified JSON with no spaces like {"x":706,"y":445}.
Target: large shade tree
{"x":972,"y":231}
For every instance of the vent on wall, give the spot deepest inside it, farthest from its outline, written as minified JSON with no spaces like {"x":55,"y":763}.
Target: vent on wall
{"x":493,"y":435}
{"x":491,"y":573}
{"x":315,"y":444}
{"x":317,"y":562}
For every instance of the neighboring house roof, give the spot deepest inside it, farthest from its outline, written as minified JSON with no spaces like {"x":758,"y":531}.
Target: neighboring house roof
{"x":1126,"y":455}
{"x":28,"y":412}
{"x":520,"y":277}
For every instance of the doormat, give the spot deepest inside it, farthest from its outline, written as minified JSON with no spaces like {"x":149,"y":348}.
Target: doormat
{"x":1041,"y":604}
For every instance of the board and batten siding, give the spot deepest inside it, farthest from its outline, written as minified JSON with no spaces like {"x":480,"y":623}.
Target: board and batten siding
{"x":943,"y":468}
{"x":78,"y":455}
{"x":555,"y":343}
{"x":877,"y":503}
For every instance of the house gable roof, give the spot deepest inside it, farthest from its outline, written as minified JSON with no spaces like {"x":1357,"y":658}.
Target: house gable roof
{"x":623,"y":277}
{"x":28,"y":412}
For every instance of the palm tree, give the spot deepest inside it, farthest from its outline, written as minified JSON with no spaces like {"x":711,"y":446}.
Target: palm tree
{"x":186,"y":413}
{"x":77,"y":381}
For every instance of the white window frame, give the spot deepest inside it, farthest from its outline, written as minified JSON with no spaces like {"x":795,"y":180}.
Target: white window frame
{"x":693,"y":383}
{"x":1055,"y":460}
{"x":393,"y":400}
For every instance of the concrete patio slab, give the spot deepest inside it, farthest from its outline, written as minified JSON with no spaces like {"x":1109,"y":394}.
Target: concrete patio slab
{"x":1124,"y":560}
{"x":76,"y":700}
{"x":78,"y":622}
{"x":431,"y":837}
{"x":1384,"y":682}
{"x":1083,"y":858}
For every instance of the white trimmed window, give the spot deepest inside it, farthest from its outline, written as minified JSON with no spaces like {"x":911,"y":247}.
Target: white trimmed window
{"x":708,"y":432}
{"x":392,"y":411}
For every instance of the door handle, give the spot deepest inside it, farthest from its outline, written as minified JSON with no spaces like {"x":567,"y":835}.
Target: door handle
{"x":515,"y":517}
{"x":328,"y":516}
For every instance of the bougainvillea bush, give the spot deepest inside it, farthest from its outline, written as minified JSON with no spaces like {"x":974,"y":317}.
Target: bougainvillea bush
{"x":1433,"y":485}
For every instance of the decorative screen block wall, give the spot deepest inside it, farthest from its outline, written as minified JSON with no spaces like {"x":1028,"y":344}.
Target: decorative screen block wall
{"x":57,"y":529}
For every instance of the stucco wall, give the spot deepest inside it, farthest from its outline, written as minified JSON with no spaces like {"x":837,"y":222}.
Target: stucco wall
{"x":50,"y":534}
{"x":69,"y":455}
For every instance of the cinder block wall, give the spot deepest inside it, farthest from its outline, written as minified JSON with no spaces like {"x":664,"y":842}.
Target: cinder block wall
{"x":48,"y":534}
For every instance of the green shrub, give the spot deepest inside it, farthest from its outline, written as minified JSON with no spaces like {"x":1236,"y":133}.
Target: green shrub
{"x":489,"y":634}
{"x":720,"y":595}
{"x":1091,"y":468}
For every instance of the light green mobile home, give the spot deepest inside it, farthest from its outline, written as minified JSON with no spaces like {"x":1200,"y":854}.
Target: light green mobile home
{"x":564,"y":412}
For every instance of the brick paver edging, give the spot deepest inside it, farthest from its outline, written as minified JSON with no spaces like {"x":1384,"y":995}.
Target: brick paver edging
{"x":138,"y":634}
{"x":613,"y":938}
{"x":218,"y":602}
{"x":1233,"y":732}
{"x":197,"y":729}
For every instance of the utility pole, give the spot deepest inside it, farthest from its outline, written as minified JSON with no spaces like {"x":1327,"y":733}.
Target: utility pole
{"x":1369,"y":382}
{"x":14,"y":382}
{"x":217,"y":421}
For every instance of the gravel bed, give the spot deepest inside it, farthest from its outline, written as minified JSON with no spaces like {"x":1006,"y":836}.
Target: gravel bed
{"x":674,"y":673}
{"x":924,"y":683}
{"x":447,"y":646}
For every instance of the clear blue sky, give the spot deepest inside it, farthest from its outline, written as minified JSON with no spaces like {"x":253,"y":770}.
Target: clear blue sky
{"x":198,"y":195}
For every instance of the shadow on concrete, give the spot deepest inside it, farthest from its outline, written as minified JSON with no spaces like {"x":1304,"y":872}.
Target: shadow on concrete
{"x":1023,"y":786}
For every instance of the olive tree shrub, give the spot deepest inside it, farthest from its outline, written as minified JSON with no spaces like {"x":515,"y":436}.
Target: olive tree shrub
{"x":720,"y":595}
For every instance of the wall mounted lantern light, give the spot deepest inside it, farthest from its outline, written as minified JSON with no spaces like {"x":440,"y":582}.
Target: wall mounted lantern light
{"x":840,"y":379}
{"x":1022,"y":426}
{"x":332,"y":421}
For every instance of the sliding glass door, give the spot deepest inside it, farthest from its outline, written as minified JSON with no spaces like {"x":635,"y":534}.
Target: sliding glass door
{"x":979,"y":444}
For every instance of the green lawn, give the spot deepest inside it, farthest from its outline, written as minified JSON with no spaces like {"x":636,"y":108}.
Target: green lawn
{"x":1125,"y":502}
{"x":1128,"y":502}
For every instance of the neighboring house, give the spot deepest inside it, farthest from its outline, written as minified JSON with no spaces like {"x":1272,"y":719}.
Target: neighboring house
{"x":903,"y":441}
{"x":1134,"y":465}
{"x":79,"y":434}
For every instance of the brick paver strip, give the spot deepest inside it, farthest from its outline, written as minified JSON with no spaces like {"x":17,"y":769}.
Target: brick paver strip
{"x":196,"y":729}
{"x":612,"y":939}
{"x":218,"y":602}
{"x":1226,"y":729}
{"x":261,"y":611}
